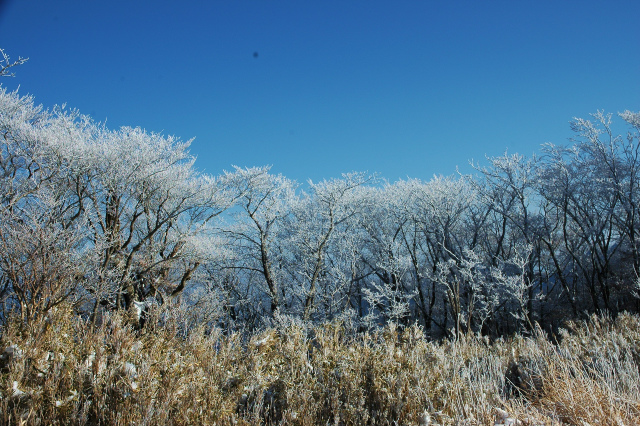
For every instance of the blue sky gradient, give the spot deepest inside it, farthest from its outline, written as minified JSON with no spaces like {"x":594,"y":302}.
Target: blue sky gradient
{"x":402,"y":88}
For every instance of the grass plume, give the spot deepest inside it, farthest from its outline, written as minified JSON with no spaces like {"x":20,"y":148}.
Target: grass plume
{"x":62,"y":370}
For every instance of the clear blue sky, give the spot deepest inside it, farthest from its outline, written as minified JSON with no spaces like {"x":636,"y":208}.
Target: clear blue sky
{"x":403,"y":88}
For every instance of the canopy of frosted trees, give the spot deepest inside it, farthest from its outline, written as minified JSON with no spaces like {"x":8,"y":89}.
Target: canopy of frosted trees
{"x":116,"y":219}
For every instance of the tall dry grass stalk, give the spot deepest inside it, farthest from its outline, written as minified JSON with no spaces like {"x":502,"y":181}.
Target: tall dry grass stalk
{"x":64,"y":371}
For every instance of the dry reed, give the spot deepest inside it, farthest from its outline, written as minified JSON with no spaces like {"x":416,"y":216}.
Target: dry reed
{"x":61,"y":370}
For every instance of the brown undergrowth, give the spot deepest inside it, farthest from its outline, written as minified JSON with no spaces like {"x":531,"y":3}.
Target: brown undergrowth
{"x":61,"y":370}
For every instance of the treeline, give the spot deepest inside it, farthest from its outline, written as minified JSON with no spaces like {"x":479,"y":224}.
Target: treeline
{"x":121,"y":219}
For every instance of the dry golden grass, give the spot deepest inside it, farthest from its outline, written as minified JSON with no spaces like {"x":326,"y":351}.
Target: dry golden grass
{"x":62,"y":371}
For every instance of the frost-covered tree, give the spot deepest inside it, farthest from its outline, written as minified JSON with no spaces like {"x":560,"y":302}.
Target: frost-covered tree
{"x":44,"y":255}
{"x":259,"y":232}
{"x":108,"y":219}
{"x":134,"y":197}
{"x":42,"y":264}
{"x":319,"y":218}
{"x":151,"y":207}
{"x":6,"y":64}
{"x":507,"y":189}
{"x":584,"y":206}
{"x":389,"y":288}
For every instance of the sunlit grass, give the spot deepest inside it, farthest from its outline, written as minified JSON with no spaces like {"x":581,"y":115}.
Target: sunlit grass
{"x":62,"y":371}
